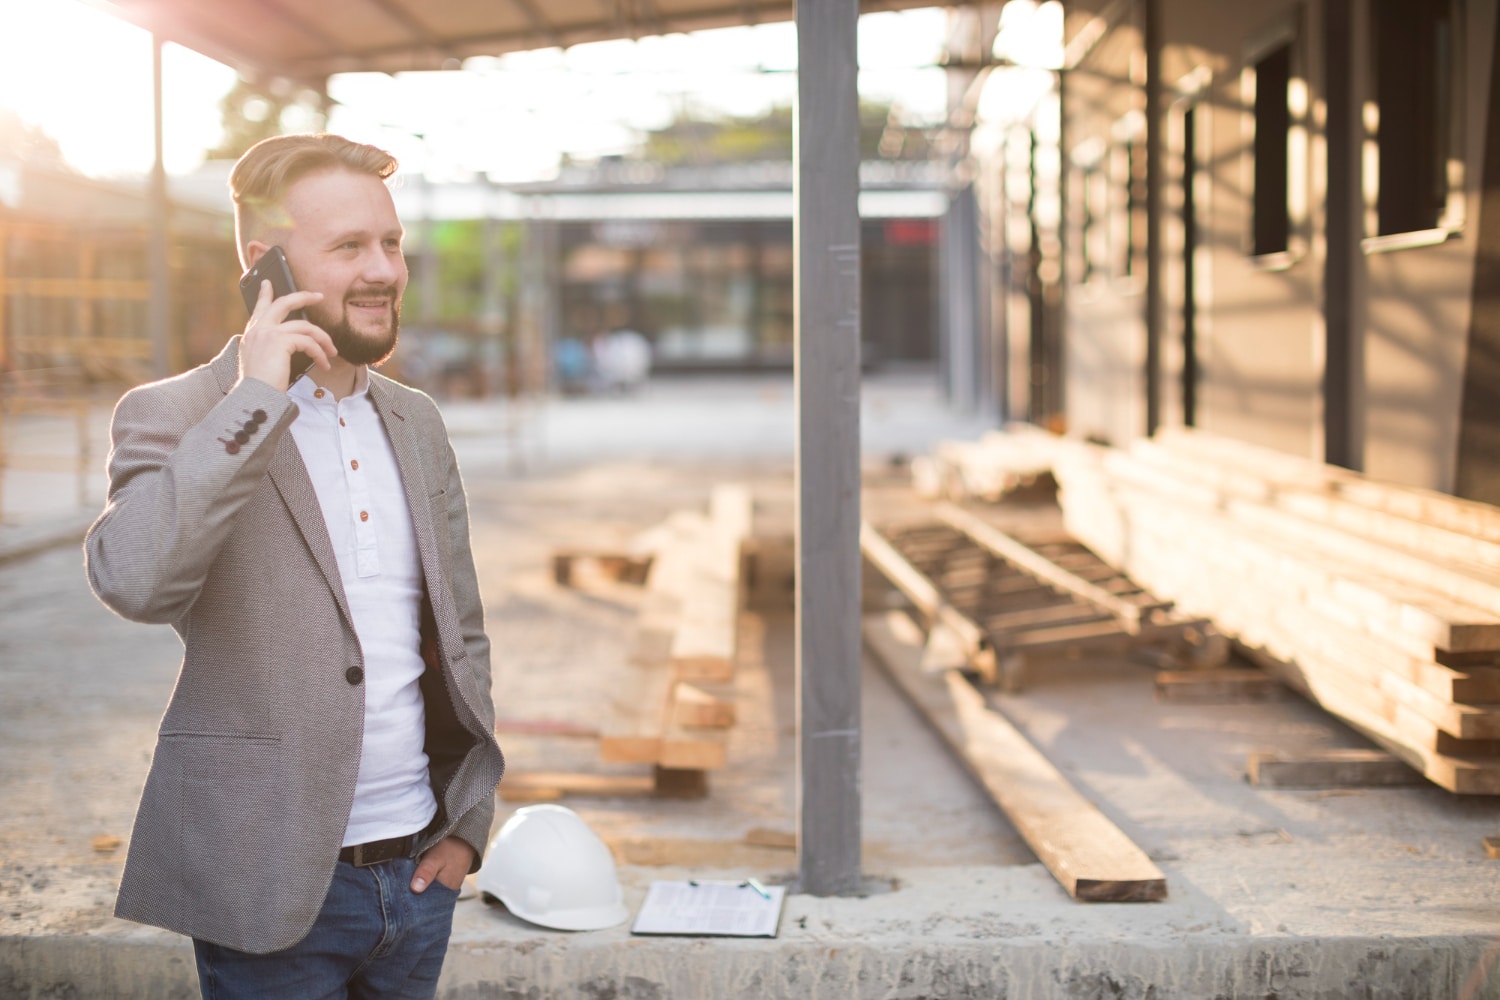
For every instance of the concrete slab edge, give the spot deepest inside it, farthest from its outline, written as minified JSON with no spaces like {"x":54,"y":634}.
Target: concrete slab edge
{"x":19,"y":543}
{"x":565,"y":967}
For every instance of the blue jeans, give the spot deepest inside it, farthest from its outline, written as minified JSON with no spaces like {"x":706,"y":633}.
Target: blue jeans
{"x":374,"y":938}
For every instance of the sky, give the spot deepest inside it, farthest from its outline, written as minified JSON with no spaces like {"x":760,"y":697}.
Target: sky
{"x":84,"y":77}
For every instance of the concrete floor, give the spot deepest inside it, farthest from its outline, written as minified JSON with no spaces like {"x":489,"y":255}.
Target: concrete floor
{"x":1272,"y":893}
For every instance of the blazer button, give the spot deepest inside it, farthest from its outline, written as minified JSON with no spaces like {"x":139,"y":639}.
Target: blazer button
{"x":354,"y":675}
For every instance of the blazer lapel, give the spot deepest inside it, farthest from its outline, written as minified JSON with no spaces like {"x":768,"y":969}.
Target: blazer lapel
{"x":407,"y":444}
{"x":290,"y":478}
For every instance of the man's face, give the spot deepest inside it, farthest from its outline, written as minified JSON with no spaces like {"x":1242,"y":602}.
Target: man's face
{"x":346,"y":243}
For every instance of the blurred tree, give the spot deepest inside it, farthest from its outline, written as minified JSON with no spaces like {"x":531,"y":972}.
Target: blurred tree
{"x":28,"y":143}
{"x":698,"y":139}
{"x":253,"y":111}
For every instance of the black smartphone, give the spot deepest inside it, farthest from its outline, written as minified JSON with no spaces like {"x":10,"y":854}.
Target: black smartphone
{"x":272,"y":266}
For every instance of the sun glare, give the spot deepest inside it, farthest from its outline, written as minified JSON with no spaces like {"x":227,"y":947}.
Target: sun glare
{"x":84,"y":78}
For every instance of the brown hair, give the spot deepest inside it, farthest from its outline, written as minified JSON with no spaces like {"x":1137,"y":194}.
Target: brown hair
{"x":259,"y":180}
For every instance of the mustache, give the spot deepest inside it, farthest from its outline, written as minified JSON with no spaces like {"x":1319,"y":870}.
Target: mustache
{"x":387,"y":292}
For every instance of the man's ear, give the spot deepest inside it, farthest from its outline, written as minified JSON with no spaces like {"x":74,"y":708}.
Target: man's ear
{"x":254,"y":250}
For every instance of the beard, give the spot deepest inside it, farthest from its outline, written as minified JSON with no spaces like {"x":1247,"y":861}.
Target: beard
{"x":360,"y":347}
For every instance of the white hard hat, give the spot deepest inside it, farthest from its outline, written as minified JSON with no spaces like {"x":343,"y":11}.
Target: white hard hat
{"x":548,"y":867}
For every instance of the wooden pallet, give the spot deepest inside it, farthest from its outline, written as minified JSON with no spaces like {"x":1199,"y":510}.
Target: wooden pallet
{"x":994,"y":604}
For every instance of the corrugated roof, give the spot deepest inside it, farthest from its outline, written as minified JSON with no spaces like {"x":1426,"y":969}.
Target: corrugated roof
{"x":311,"y":41}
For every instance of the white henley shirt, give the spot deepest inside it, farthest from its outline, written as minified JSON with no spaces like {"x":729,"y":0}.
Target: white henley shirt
{"x":354,"y":473}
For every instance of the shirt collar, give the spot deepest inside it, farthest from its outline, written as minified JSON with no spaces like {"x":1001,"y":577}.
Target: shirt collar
{"x":304,"y":388}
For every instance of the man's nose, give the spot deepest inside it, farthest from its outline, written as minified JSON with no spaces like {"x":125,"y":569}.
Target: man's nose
{"x":381,"y":268}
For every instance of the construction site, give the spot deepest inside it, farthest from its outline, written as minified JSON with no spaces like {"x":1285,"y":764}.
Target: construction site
{"x":1104,"y":795}
{"x":1108,"y":610}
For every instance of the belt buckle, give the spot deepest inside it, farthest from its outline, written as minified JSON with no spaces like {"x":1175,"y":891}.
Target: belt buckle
{"x":378,"y":851}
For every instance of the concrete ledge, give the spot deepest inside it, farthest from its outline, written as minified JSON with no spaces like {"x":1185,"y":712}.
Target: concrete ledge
{"x":957,"y":933}
{"x":20,"y":541}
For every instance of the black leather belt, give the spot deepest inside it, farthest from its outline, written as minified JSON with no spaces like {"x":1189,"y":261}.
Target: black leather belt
{"x":376,"y":851}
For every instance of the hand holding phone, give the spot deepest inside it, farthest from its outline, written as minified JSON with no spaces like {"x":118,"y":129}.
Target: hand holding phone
{"x":273,"y":267}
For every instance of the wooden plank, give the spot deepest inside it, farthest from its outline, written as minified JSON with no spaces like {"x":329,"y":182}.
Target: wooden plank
{"x":1086,"y":853}
{"x":712,"y":591}
{"x":1061,"y":637}
{"x":631,"y":733}
{"x":762,"y":836}
{"x":1222,"y":685}
{"x":693,"y":707}
{"x":1416,"y":611}
{"x":632,"y":730}
{"x":679,"y":783}
{"x":616,"y":566}
{"x":703,"y":643}
{"x":923,"y":593}
{"x":547,"y":786}
{"x":1048,"y":614}
{"x":1453,"y":609}
{"x":1459,"y":774}
{"x":1304,"y":635}
{"x":1420,"y":506}
{"x":546,"y":727}
{"x":1477,"y":587}
{"x":731,"y":510}
{"x":644,"y":727}
{"x":1355,"y":768}
{"x":1040,"y":565}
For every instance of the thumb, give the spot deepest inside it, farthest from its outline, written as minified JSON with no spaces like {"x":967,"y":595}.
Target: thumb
{"x":426,"y":871}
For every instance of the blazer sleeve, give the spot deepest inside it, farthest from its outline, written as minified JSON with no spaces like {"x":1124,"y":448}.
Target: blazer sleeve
{"x":175,"y":487}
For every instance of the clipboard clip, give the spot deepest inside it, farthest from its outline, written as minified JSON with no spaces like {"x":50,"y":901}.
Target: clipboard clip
{"x":749,"y":883}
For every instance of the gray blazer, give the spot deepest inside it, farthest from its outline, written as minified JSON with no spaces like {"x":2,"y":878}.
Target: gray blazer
{"x":252,"y":780}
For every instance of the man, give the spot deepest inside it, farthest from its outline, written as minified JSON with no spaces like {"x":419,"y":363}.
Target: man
{"x":324,"y":774}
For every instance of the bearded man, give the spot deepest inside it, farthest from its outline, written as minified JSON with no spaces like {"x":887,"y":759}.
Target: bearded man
{"x":324,"y":774}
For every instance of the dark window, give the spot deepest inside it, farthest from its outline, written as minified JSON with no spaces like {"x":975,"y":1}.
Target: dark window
{"x":1272,"y":223}
{"x":1135,"y":205}
{"x":1413,"y":61}
{"x":1089,"y":224}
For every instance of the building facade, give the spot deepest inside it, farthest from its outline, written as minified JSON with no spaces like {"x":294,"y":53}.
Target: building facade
{"x":1264,"y":220}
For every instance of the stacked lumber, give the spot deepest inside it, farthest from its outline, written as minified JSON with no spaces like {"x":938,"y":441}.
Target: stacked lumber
{"x":1380,"y":602}
{"x":674,"y":704}
{"x":988,"y":469}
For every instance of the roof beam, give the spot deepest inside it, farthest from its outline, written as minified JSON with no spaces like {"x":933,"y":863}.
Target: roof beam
{"x":419,"y":31}
{"x":541,"y":24}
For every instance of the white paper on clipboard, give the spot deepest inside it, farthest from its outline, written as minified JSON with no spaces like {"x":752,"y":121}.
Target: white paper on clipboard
{"x":710,"y":908}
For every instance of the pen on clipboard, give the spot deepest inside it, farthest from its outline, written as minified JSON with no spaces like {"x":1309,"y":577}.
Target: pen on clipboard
{"x":749,"y":883}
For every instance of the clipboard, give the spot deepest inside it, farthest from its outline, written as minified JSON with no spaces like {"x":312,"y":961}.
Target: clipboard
{"x":701,"y":907}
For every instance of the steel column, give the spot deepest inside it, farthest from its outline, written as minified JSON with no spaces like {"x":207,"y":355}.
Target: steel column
{"x":158,"y":304}
{"x":827,"y":330}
